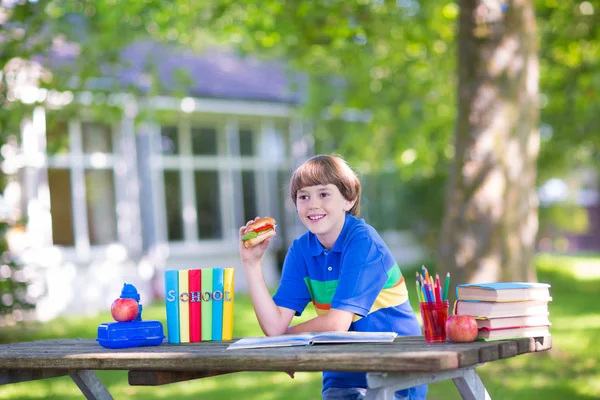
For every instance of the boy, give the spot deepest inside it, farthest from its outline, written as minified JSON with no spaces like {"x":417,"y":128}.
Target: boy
{"x":341,"y":265}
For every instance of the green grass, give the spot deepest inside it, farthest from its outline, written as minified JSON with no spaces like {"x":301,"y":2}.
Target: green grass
{"x":570,"y":370}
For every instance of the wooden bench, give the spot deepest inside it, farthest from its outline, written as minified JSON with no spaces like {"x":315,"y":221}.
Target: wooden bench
{"x":407,"y":362}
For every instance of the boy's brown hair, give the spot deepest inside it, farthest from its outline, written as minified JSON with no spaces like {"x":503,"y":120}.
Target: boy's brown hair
{"x":326,"y":169}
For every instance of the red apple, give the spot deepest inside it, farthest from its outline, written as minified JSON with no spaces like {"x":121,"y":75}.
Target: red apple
{"x":124,"y":309}
{"x":461,"y":328}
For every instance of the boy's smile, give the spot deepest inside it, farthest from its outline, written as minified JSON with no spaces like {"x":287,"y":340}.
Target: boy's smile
{"x":322,"y":209}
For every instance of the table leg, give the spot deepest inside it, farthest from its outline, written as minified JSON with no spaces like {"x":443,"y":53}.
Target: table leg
{"x":90,"y":385}
{"x":470,"y":386}
{"x":383,"y":385}
{"x":380,"y":394}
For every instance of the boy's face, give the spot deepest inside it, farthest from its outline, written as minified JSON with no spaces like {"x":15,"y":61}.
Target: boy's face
{"x":322,"y":209}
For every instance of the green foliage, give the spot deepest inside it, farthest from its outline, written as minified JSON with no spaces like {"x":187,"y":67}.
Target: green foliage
{"x":569,"y":83}
{"x":14,"y":301}
{"x":392,"y":61}
{"x":390,"y":203}
{"x":566,"y":218}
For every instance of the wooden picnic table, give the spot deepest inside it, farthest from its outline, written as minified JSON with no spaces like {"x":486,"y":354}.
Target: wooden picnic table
{"x":406,"y":362}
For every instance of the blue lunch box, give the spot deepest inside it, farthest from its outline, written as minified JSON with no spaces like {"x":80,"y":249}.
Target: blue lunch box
{"x":120,"y":335}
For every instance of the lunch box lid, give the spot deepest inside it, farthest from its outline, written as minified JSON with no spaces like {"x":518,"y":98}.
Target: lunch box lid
{"x":130,"y":334}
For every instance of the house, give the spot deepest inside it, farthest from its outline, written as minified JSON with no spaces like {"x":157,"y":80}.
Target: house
{"x":164,"y":184}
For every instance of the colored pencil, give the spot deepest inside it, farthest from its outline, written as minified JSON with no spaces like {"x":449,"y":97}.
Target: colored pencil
{"x":418,"y":288}
{"x":447,"y":286}
{"x":438,"y":288}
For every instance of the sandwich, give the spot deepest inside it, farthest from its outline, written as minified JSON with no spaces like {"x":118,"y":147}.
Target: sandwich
{"x":259,"y":231}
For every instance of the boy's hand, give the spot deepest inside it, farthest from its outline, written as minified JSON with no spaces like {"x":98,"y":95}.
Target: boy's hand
{"x":254,"y":254}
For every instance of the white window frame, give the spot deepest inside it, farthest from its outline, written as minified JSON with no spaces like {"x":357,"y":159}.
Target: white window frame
{"x":76,"y":161}
{"x":229,"y":164}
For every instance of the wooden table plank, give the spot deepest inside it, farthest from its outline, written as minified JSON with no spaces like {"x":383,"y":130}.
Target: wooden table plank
{"x":155,"y":378}
{"x":406,"y":354}
{"x":23,"y":375}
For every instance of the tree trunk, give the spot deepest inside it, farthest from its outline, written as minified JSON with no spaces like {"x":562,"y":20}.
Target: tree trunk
{"x":490,"y":221}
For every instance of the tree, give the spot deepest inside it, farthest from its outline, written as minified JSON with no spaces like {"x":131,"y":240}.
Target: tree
{"x":392,"y":64}
{"x":490,"y":222}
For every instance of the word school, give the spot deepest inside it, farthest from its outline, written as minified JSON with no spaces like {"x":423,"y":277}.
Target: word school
{"x":196,"y":297}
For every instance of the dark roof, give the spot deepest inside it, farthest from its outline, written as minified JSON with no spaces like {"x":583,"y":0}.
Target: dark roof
{"x":214,"y":73}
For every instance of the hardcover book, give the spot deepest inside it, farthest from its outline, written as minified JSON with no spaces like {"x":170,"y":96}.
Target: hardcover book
{"x":309,"y":339}
{"x":184,"y":308}
{"x":228,"y":297}
{"x":172,"y":305}
{"x":511,"y":333}
{"x":195,"y":301}
{"x":217,"y":304}
{"x":207,"y":294}
{"x":513,"y":322}
{"x":484,"y":309}
{"x":503,"y":291}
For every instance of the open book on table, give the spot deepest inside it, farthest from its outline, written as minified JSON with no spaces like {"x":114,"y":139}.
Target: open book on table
{"x":309,"y":339}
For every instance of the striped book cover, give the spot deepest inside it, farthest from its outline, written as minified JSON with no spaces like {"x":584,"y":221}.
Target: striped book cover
{"x":207,"y":290}
{"x":172,"y":305}
{"x":217,"y":304}
{"x":195,"y":302}
{"x":184,"y":307}
{"x":228,"y":300}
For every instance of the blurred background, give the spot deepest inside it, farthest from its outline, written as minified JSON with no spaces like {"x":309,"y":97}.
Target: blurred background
{"x":138,"y":136}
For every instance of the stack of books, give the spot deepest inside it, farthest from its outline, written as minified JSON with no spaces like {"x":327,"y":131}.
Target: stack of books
{"x":199,"y":304}
{"x":506,"y":310}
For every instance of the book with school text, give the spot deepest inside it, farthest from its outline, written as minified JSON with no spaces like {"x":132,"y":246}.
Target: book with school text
{"x":206,"y":307}
{"x":309,"y":339}
{"x":172,"y":305}
{"x":184,"y":307}
{"x":228,"y":301}
{"x":194,"y":297}
{"x":217,"y":304}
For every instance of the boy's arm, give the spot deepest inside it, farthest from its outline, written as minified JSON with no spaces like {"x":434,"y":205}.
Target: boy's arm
{"x":334,"y":320}
{"x":273,"y":320}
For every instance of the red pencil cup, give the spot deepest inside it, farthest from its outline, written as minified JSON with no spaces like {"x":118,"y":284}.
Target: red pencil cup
{"x":434,"y":317}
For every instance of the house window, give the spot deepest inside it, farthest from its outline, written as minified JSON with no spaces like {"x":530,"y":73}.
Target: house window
{"x":169,"y":140}
{"x":96,"y":138}
{"x":246,"y":138}
{"x":192,"y":182}
{"x":172,"y":185}
{"x":216,"y":176}
{"x":249,"y":195}
{"x":246,"y":142}
{"x":81,"y":182}
{"x":57,"y":137}
{"x":207,"y":204}
{"x":59,"y":181}
{"x":204,"y":141}
{"x":100,"y":206}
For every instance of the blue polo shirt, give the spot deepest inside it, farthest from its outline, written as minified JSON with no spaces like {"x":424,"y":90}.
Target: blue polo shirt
{"x":359,"y":275}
